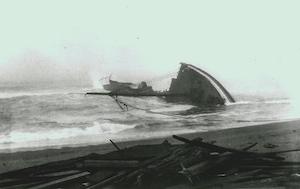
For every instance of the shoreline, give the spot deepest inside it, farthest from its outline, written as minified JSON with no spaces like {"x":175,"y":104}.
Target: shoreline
{"x":87,"y":144}
{"x":283,"y":135}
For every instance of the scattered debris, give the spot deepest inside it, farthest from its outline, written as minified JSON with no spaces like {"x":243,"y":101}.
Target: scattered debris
{"x":115,"y":145}
{"x":269,"y":145}
{"x":195,"y":163}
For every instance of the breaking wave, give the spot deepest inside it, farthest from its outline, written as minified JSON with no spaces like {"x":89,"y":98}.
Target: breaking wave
{"x":60,"y":136}
{"x":57,"y":118}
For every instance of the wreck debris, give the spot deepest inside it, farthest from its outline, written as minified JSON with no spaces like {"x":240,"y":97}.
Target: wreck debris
{"x":115,"y":145}
{"x":108,"y":180}
{"x":111,"y":163}
{"x":163,"y":165}
{"x":269,"y":145}
{"x":65,"y":179}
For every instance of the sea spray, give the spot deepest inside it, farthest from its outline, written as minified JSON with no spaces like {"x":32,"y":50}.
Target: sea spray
{"x":54,"y":119}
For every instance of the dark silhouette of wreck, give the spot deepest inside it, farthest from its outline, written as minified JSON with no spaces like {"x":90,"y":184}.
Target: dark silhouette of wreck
{"x":192,"y":85}
{"x":199,"y":87}
{"x":128,"y":88}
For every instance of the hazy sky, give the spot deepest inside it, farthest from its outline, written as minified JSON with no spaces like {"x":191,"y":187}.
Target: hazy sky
{"x":250,"y":46}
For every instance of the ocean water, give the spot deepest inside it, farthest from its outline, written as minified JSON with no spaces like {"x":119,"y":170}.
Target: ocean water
{"x":32,"y":119}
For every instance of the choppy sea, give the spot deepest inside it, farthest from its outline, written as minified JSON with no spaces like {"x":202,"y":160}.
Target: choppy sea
{"x":32,"y":119}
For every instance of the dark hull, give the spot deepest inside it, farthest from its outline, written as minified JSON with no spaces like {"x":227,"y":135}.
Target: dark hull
{"x":198,"y":87}
{"x":192,"y":85}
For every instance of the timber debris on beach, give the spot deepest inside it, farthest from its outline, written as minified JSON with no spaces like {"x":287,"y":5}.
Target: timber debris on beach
{"x":192,"y":85}
{"x":187,"y":164}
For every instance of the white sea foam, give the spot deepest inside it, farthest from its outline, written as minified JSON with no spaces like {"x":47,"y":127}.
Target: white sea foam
{"x":174,"y":108}
{"x":57,"y":136}
{"x":279,"y":101}
{"x":273,"y":101}
{"x":239,"y":102}
{"x":19,"y":93}
{"x":56,"y":120}
{"x":4,"y":95}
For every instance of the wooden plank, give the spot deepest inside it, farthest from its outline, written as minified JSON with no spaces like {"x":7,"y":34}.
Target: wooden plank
{"x":109,"y":180}
{"x":209,"y":146}
{"x":115,"y":145}
{"x":204,"y":166}
{"x":18,"y":186}
{"x":281,"y":152}
{"x":101,"y":175}
{"x":58,"y":181}
{"x":123,"y":175}
{"x":144,"y":165}
{"x":59,"y":174}
{"x":111,"y":163}
{"x":249,"y":147}
{"x":292,"y":167}
{"x":221,"y":149}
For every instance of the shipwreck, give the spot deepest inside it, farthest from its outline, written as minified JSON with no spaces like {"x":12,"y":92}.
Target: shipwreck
{"x":199,"y":87}
{"x":192,"y":85}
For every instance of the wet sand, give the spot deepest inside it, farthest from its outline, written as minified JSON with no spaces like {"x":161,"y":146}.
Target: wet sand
{"x":270,"y":137}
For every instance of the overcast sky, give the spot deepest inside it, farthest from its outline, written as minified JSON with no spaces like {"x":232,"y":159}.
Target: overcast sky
{"x":250,"y":46}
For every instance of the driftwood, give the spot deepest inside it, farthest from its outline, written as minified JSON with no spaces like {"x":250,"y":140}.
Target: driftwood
{"x":25,"y":185}
{"x":204,"y":166}
{"x":271,"y":167}
{"x":57,"y":174}
{"x":249,"y":147}
{"x":142,"y":166}
{"x":221,"y":149}
{"x":100,"y":175}
{"x":111,"y":164}
{"x":207,"y":145}
{"x":58,"y":181}
{"x":127,"y":175}
{"x":115,"y":145}
{"x":109,"y":180}
{"x":200,"y":162}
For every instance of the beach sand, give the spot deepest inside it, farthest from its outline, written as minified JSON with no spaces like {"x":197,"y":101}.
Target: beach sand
{"x":270,"y":137}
